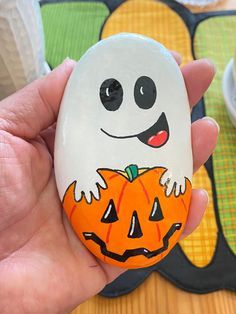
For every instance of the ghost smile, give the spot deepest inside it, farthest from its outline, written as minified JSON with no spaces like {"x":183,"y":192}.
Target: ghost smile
{"x":156,"y":136}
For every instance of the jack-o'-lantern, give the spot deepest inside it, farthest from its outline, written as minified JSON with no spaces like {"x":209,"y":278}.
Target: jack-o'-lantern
{"x":133,"y":224}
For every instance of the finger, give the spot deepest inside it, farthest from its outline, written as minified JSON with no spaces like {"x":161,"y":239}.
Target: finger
{"x":177,"y":56}
{"x":177,"y":190}
{"x":198,"y":75}
{"x":48,"y":136}
{"x":170,"y":188}
{"x":112,"y":272}
{"x":96,"y":194}
{"x":204,"y":138}
{"x":165,"y":177}
{"x":199,"y":202}
{"x":36,"y":106}
{"x":183,"y":187}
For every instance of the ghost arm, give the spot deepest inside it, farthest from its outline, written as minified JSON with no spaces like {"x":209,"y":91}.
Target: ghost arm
{"x":179,"y":167}
{"x":89,"y":185}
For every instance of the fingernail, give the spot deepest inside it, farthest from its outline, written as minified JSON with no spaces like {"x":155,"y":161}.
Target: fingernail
{"x":213,"y":121}
{"x":177,"y":56}
{"x":66,"y":59}
{"x":209,"y":62}
{"x":203,"y":191}
{"x":69,"y":60}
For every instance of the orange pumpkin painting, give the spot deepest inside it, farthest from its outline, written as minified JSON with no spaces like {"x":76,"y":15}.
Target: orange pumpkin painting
{"x":133,"y":224}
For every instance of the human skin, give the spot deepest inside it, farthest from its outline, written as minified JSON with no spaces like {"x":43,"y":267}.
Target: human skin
{"x":44,"y":268}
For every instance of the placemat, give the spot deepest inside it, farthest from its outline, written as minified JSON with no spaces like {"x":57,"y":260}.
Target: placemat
{"x":216,"y":38}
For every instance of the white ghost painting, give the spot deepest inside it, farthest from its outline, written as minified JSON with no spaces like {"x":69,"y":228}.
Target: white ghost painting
{"x":125,"y":104}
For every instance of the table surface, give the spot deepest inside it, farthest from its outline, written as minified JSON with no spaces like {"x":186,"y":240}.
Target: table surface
{"x":156,"y":295}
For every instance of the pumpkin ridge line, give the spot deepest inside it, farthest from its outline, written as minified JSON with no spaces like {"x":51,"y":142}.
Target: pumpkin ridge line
{"x":118,"y":209}
{"x":108,"y":233}
{"x":158,"y":232}
{"x":113,"y":176}
{"x":185,"y":208}
{"x":144,"y":190}
{"x":121,"y":196}
{"x":72,"y":211}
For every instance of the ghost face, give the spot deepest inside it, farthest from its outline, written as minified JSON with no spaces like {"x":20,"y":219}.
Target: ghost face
{"x":145,"y":94}
{"x":126,"y":91}
{"x":125,"y":103}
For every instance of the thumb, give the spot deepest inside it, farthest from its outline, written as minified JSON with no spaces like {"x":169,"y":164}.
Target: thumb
{"x":35,"y":107}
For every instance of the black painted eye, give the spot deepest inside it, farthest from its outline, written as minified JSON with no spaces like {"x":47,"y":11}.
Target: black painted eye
{"x":156,"y":213}
{"x":145,"y":92}
{"x":110,"y":214}
{"x":111,"y":94}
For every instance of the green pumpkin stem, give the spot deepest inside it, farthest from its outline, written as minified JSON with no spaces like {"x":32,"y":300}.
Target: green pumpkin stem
{"x":132,"y":172}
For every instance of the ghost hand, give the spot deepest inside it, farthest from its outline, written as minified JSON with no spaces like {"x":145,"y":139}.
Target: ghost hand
{"x":89,"y":187}
{"x":174,"y":182}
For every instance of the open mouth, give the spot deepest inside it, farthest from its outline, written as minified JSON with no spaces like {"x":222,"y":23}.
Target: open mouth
{"x":133,"y":252}
{"x":156,"y":136}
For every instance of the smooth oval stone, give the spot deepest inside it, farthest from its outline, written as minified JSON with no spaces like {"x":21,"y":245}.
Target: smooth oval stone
{"x":123,"y":159}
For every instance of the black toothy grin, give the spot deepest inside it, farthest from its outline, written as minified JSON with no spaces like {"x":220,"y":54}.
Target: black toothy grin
{"x":133,"y":252}
{"x":156,"y":136}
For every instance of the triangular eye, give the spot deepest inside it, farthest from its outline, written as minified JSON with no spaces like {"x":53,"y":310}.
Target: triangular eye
{"x":156,"y":213}
{"x":110,"y":214}
{"x":135,"y":229}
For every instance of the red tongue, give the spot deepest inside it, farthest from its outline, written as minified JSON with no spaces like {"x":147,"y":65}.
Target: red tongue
{"x":159,"y":139}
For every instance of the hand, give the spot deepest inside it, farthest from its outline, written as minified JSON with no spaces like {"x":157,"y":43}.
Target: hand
{"x":43,"y":266}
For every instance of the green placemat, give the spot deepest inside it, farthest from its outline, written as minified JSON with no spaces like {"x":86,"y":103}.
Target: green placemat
{"x":216,"y":40}
{"x":71,"y":28}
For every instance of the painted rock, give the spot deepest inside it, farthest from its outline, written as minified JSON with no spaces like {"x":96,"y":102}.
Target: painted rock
{"x":123,"y":159}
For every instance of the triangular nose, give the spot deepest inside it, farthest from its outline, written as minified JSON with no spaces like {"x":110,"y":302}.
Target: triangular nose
{"x":135,"y":228}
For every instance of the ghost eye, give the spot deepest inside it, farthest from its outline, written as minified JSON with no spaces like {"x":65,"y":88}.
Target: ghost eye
{"x":145,"y":92}
{"x":110,"y":214}
{"x":156,"y":214}
{"x":111,"y":94}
